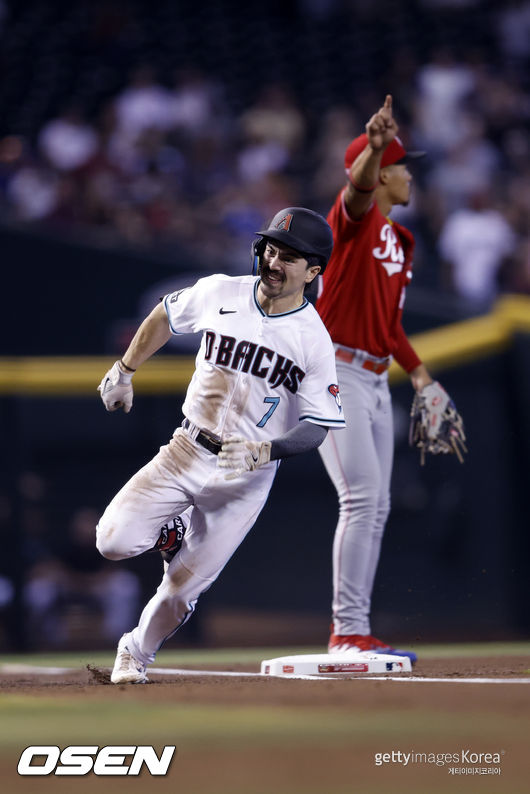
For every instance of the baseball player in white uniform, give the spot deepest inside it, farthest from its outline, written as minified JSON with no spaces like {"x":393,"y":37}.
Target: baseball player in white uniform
{"x":264,"y":388}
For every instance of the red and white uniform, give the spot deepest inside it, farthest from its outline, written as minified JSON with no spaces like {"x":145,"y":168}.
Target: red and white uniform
{"x":361,"y":304}
{"x":364,"y":284}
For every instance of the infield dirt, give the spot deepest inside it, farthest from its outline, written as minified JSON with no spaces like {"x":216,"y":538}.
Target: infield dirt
{"x":276,"y":736}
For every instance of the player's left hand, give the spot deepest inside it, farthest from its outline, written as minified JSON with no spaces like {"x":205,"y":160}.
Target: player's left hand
{"x":436,"y":426}
{"x":243,"y":455}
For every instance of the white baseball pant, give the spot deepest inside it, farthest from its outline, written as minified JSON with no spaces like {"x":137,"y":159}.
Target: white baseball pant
{"x":359,"y":462}
{"x":181,"y":475}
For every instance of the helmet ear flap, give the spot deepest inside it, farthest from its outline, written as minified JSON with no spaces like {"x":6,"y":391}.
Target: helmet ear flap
{"x":256,"y":252}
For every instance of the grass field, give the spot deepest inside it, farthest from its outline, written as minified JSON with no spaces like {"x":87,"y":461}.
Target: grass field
{"x":210,"y":657}
{"x":271,"y":736}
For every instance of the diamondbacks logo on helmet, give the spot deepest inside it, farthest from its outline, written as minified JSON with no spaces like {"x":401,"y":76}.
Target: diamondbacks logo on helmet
{"x":334,"y":391}
{"x":285,"y":222}
{"x":301,"y":229}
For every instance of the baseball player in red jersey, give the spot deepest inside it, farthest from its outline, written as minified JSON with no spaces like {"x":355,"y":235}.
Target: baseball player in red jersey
{"x":361,"y":304}
{"x":259,"y":393}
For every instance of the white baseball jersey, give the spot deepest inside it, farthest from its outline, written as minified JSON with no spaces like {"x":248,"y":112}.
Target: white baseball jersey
{"x":256,"y":375}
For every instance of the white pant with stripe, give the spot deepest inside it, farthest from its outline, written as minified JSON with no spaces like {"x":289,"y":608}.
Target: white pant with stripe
{"x":359,"y":462}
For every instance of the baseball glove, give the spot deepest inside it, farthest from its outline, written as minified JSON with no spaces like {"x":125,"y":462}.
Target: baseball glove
{"x":436,"y":426}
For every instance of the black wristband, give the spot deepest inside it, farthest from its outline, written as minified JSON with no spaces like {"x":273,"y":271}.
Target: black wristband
{"x":124,"y":365}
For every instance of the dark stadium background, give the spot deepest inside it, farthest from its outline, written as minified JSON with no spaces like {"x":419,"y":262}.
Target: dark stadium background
{"x":76,"y":282}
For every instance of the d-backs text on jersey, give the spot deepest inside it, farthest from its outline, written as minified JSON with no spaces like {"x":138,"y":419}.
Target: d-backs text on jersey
{"x":260,"y":361}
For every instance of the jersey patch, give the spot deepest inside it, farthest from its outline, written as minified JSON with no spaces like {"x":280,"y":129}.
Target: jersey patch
{"x":174,"y":298}
{"x":334,"y":391}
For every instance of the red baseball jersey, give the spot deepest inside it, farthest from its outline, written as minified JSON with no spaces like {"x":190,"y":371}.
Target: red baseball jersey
{"x":364,"y":284}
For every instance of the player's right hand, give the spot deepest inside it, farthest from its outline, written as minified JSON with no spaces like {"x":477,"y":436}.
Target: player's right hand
{"x":116,"y":389}
{"x":382,"y":127}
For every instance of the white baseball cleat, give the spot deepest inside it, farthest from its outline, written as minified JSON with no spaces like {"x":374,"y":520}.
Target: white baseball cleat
{"x":127,"y":669}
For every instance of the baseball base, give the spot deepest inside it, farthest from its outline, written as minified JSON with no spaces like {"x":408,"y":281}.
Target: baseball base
{"x":337,"y":664}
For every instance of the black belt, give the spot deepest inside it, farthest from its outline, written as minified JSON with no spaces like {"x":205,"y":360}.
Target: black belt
{"x":209,"y":442}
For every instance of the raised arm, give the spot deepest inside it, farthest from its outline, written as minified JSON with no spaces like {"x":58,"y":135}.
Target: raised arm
{"x":363,"y":177}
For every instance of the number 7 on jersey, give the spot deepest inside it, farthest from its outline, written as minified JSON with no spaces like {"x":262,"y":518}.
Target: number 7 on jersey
{"x":274,"y":404}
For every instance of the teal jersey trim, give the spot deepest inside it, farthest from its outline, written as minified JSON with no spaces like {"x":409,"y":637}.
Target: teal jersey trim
{"x":321,"y":419}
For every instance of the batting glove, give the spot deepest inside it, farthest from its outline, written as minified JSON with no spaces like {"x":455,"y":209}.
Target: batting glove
{"x":116,"y":389}
{"x":243,"y":455}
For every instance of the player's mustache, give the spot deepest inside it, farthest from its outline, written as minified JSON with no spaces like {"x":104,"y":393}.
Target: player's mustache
{"x":266,"y":271}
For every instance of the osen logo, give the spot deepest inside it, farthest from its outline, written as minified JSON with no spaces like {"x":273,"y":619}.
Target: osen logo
{"x":126,"y":759}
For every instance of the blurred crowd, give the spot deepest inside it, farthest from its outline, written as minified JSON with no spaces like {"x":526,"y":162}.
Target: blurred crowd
{"x":171,"y":162}
{"x":68,"y":593}
{"x":170,"y":151}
